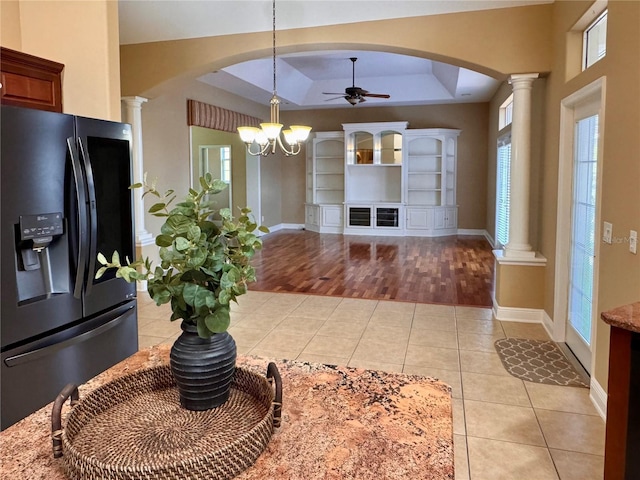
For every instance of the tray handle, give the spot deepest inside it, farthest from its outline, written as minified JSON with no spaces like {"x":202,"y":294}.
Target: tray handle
{"x":273,"y":375}
{"x":70,"y":390}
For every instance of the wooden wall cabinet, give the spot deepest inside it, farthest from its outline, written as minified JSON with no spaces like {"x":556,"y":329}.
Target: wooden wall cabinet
{"x":29,"y":81}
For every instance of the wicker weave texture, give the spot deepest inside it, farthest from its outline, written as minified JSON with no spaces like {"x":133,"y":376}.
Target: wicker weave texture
{"x":134,"y":428}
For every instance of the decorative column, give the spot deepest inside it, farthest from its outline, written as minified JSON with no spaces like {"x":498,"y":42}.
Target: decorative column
{"x":518,"y":246}
{"x":133,"y":115}
{"x":520,"y":271}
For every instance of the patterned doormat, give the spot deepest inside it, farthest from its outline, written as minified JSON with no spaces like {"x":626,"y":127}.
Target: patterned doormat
{"x":538,"y":361}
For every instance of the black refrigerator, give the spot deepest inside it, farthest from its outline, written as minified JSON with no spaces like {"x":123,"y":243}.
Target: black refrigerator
{"x":64,"y":198}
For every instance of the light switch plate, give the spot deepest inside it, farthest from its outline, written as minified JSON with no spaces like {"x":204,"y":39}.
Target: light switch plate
{"x":607,"y":232}
{"x":633,"y":241}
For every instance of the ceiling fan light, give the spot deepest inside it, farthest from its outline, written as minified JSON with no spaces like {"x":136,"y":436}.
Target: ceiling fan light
{"x":352,"y":100}
{"x":248,"y":134}
{"x":301,"y":132}
{"x":271,"y":130}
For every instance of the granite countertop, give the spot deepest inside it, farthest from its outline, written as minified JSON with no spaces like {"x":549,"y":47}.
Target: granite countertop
{"x":626,"y":317}
{"x":337,"y":423}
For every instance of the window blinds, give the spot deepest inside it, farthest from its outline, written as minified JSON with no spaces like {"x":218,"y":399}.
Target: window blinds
{"x":503,"y":190}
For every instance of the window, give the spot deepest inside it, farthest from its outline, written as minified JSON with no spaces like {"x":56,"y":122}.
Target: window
{"x":503,"y":190}
{"x":506,"y":113}
{"x":594,"y":42}
{"x":225,"y":164}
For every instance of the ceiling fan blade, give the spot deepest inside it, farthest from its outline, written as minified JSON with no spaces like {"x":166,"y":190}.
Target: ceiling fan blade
{"x":376,"y":95}
{"x":334,"y":98}
{"x":333,"y":93}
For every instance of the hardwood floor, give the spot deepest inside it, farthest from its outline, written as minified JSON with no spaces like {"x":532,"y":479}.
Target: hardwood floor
{"x":446,"y":270}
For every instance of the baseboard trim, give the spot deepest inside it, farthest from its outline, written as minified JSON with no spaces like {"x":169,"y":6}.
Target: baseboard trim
{"x":547,"y":323}
{"x":472,"y":231}
{"x":286,"y":226}
{"x":599,"y":398}
{"x":490,"y":239}
{"x":515,"y":314}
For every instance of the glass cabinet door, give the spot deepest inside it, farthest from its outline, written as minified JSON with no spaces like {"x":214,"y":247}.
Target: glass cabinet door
{"x":390,"y":148}
{"x":363,"y":144}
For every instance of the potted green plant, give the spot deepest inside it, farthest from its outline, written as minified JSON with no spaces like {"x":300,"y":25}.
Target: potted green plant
{"x":205,"y":265}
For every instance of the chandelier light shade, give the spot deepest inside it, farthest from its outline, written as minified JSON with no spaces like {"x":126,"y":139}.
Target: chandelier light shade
{"x":266,"y":139}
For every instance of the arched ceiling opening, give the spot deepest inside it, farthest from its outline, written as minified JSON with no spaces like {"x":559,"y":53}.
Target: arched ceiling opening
{"x":416,"y":59}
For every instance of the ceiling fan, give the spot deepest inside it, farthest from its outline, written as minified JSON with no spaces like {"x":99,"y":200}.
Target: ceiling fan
{"x":353,"y":94}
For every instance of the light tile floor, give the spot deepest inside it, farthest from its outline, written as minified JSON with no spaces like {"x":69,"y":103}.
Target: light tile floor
{"x":504,"y":428}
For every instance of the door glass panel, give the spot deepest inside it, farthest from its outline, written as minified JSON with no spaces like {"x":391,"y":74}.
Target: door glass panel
{"x":110,"y":162}
{"x":583,"y":227}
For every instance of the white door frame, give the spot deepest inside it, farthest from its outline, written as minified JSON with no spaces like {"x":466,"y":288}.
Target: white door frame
{"x":595,"y":90}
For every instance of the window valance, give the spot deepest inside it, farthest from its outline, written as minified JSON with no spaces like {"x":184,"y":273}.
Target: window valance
{"x":201,"y":114}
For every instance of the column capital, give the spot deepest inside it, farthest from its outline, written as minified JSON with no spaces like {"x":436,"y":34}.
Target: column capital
{"x":522,"y":79}
{"x":134,"y":101}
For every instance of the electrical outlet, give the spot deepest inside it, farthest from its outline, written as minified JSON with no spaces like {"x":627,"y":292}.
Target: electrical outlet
{"x":607,"y":232}
{"x":633,"y":241}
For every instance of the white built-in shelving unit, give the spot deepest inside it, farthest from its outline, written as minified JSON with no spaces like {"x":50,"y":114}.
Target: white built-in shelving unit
{"x":382,"y":178}
{"x":430,"y":181}
{"x":325,"y":183}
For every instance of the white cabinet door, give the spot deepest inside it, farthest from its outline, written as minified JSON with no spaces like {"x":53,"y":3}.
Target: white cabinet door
{"x":331,"y":216}
{"x":445,"y":218}
{"x":419,"y":218}
{"x":311,"y":217}
{"x":451,"y":218}
{"x":439,"y":216}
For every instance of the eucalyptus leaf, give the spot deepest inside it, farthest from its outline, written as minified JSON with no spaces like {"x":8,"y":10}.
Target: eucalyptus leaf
{"x":203,"y":331}
{"x":100,"y":272}
{"x":157,"y":207}
{"x":164,"y":240}
{"x":182,"y":244}
{"x":218,"y":321}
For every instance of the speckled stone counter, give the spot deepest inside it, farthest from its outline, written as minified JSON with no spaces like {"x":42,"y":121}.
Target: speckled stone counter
{"x":626,"y":317}
{"x":622,"y":444}
{"x":337,"y":423}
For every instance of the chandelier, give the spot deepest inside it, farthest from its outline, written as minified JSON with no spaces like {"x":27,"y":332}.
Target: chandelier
{"x":269,"y":134}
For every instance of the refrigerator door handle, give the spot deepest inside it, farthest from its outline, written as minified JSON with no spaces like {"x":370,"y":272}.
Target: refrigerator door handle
{"x":93,"y":221}
{"x":27,"y":357}
{"x":81,"y":204}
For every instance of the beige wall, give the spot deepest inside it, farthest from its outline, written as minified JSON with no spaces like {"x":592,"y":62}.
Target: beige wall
{"x":439,"y":37}
{"x":81,"y":35}
{"x":520,"y":286}
{"x":10,"y":36}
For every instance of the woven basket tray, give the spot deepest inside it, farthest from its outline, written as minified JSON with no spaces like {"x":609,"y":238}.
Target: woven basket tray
{"x":134,"y":428}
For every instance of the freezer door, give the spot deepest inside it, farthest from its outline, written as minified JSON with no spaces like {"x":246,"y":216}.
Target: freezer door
{"x":38,"y":262}
{"x":105,"y":150}
{"x":33,"y":374}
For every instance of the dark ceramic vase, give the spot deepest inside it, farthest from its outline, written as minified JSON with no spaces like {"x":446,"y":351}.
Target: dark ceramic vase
{"x":203,"y":368}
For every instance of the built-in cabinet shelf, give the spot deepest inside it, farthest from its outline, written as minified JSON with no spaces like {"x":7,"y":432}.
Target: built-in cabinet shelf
{"x":430,"y":181}
{"x":382,"y":179}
